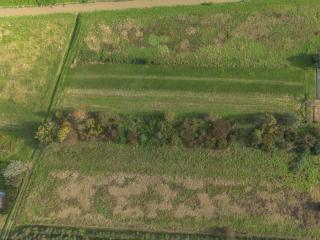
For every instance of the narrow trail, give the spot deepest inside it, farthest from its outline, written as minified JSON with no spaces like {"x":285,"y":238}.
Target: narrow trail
{"x":98,"y":6}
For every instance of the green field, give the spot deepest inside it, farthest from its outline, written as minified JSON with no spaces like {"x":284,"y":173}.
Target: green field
{"x":108,"y":185}
{"x":257,"y":34}
{"x":28,"y":73}
{"x":123,"y":88}
{"x":228,"y":60}
{"x":27,"y":78}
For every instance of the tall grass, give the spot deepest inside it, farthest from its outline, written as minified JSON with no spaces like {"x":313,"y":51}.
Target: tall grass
{"x":248,"y":35}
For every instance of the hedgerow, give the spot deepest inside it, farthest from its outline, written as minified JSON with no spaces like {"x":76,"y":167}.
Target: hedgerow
{"x":157,"y":129}
{"x":268,"y":132}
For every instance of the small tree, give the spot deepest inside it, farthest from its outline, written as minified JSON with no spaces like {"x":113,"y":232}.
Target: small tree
{"x":46,"y":133}
{"x":64,"y":131}
{"x":13,"y":172}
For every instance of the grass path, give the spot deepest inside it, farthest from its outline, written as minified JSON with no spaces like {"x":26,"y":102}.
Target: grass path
{"x":98,"y":6}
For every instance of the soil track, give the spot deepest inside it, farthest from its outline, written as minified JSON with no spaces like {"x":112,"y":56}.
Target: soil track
{"x":90,"y":7}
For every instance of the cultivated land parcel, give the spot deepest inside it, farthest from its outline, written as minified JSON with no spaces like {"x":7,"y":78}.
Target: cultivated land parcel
{"x":230,"y":60}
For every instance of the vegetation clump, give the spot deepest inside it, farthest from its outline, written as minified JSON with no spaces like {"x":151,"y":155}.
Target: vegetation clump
{"x":156,"y":129}
{"x":14,"y":171}
{"x":267,"y":132}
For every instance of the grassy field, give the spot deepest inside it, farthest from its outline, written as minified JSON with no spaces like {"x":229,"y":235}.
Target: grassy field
{"x":119,"y":186}
{"x":31,"y":50}
{"x":181,"y":59}
{"x":124,"y":88}
{"x":257,"y":34}
{"x":28,"y":72}
{"x":187,"y":60}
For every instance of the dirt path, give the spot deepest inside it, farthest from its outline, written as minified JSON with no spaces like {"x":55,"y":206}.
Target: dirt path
{"x":89,"y":7}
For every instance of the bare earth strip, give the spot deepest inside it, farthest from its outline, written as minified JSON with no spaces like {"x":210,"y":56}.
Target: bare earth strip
{"x":89,"y":7}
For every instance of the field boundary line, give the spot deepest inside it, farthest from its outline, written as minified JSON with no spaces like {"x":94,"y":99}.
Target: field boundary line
{"x":64,"y":65}
{"x":10,"y":220}
{"x":119,"y":230}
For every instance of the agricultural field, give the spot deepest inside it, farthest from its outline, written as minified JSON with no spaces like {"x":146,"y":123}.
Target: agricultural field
{"x":223,"y":62}
{"x":165,"y":189}
{"x":224,"y":70}
{"x":27,"y":78}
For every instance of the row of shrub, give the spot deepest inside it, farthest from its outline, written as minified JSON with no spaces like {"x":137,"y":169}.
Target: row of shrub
{"x":156,"y":129}
{"x":54,"y":232}
{"x":267,"y":132}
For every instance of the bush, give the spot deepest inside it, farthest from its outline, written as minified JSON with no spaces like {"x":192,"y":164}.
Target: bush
{"x":169,"y":116}
{"x":13,"y":172}
{"x":46,"y":132}
{"x":316,"y":149}
{"x":92,"y":130}
{"x":79,"y":115}
{"x":64,"y":131}
{"x":132,"y":137}
{"x":221,"y":129}
{"x":256,"y":138}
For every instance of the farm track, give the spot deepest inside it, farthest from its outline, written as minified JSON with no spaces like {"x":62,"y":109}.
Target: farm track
{"x":99,"y":6}
{"x":36,"y":155}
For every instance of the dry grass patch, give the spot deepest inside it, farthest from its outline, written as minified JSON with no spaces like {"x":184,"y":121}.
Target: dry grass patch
{"x":118,"y":199}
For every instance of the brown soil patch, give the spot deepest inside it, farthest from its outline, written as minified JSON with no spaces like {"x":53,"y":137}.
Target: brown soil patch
{"x":131,"y":197}
{"x":191,"y":31}
{"x":93,"y":42}
{"x":69,"y":213}
{"x":166,"y":204}
{"x":65,"y":174}
{"x":185,"y":45}
{"x":205,"y":209}
{"x":130,"y":29}
{"x":81,"y":190}
{"x":106,"y":33}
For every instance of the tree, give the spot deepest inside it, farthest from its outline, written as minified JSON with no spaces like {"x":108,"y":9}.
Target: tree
{"x":46,"y":133}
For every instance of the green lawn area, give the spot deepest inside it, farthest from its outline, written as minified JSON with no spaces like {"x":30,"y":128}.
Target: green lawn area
{"x":28,"y":72}
{"x":125,"y":88}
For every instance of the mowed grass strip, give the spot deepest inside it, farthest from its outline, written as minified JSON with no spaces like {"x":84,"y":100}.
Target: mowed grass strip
{"x":181,"y":102}
{"x":186,"y":84}
{"x":179,"y":78}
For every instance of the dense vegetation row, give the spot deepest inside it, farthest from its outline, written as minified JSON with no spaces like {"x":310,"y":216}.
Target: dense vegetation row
{"x":268,"y":132}
{"x":51,"y":232}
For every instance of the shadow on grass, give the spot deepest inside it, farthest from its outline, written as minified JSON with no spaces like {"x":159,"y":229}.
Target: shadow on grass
{"x":303,"y":60}
{"x":24,"y":131}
